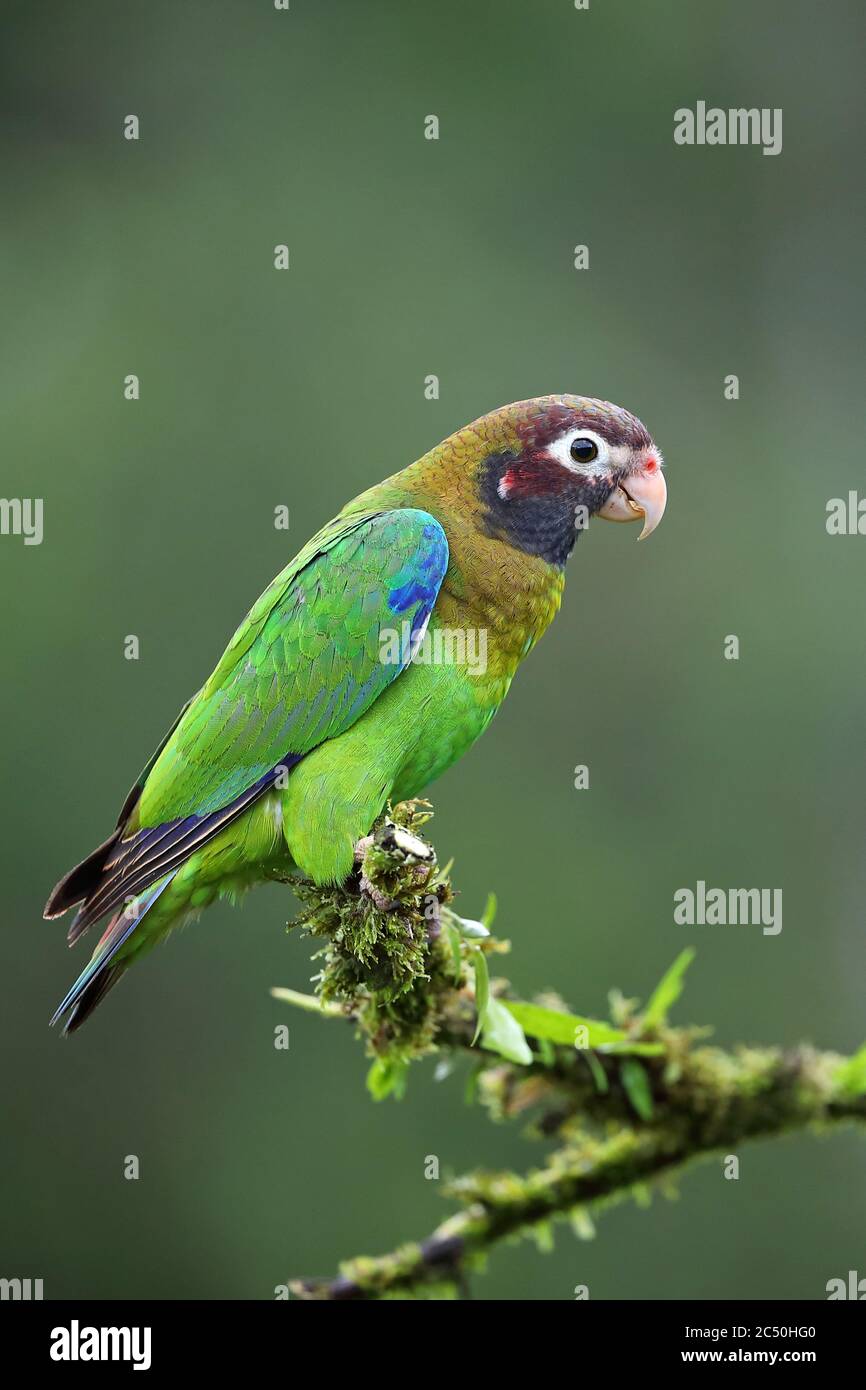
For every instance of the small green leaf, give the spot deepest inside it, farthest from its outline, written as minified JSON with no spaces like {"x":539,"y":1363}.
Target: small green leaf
{"x":482,"y":989}
{"x":379,"y":1079}
{"x":388,"y":1076}
{"x":456,"y":955}
{"x":599,"y":1075}
{"x":582,"y":1224}
{"x":309,"y":1002}
{"x":489,"y":913}
{"x":472,"y":931}
{"x":850,"y":1077}
{"x":471,"y":1086}
{"x":542,"y":1232}
{"x":558,"y":1027}
{"x":468,"y":929}
{"x":668,"y":990}
{"x":637,"y":1087}
{"x":503,"y":1034}
{"x":442,"y":873}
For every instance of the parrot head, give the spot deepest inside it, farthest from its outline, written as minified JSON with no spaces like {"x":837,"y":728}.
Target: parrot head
{"x":542,"y":468}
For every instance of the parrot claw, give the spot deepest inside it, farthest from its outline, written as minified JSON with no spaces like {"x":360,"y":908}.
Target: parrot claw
{"x":401,"y":847}
{"x":361,"y":847}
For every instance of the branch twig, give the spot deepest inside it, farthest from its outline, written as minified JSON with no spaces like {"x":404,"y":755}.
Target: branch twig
{"x":724,"y":1100}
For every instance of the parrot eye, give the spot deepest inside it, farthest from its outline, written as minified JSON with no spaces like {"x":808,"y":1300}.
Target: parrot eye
{"x":583,"y":450}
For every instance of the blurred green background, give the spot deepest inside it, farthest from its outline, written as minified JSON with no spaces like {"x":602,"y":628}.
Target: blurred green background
{"x":261,"y":388}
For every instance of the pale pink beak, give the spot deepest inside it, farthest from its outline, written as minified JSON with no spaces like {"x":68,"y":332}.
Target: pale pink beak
{"x":640,"y":494}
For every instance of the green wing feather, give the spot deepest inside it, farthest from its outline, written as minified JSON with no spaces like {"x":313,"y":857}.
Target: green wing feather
{"x":303,"y":665}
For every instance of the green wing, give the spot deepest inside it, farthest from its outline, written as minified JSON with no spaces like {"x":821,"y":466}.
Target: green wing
{"x":303,"y":665}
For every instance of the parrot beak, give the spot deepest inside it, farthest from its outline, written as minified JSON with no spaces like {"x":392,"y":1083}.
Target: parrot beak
{"x":640,"y":494}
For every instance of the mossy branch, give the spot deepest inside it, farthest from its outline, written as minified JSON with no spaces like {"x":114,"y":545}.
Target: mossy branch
{"x":628,"y":1102}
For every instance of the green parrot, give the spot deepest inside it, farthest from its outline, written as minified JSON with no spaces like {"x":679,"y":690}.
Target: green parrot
{"x":341,"y":690}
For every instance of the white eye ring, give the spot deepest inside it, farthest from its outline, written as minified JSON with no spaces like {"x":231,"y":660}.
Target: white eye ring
{"x":560,"y":449}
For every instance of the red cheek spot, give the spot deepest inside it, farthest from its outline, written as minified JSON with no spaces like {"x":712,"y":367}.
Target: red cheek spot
{"x":651,"y":464}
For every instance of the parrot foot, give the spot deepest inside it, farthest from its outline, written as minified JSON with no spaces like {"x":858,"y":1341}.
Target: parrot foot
{"x":361,"y":847}
{"x":377,"y":897}
{"x":400,"y":845}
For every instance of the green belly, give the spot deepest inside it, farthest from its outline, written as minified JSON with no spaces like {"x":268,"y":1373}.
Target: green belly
{"x":415,"y":730}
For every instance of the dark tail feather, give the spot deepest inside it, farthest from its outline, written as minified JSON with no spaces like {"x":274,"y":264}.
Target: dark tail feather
{"x":98,"y":976}
{"x":94,"y":994}
{"x":133,"y":863}
{"x":80,"y":882}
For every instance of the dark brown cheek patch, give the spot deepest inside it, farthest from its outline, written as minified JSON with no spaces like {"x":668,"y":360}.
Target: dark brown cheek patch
{"x":532,"y":504}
